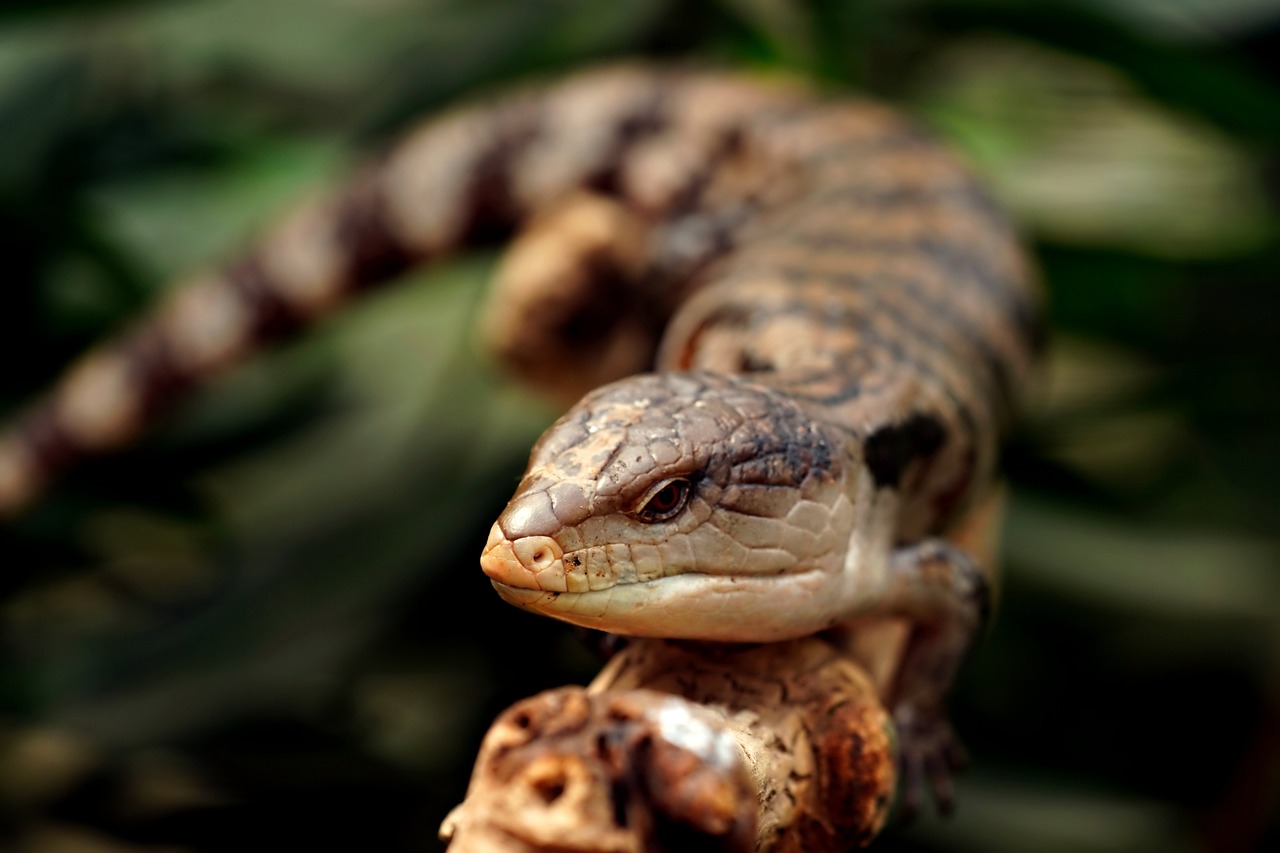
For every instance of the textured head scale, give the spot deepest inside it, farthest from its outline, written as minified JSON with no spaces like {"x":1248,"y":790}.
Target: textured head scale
{"x":658,"y":496}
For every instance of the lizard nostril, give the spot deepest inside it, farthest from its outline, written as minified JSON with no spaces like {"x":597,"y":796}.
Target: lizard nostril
{"x":537,"y":553}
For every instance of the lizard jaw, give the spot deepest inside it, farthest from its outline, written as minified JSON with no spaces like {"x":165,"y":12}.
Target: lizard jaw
{"x":695,"y":606}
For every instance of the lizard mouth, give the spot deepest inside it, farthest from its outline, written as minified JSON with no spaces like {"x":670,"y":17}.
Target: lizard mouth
{"x":694,"y":606}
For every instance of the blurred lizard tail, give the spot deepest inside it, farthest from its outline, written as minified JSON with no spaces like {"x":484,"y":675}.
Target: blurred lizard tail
{"x":460,"y":180}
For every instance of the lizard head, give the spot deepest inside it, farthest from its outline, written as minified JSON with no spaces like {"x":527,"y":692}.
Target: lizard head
{"x":679,"y":505}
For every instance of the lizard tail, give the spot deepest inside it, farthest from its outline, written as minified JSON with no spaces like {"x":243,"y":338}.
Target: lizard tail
{"x":459,"y":180}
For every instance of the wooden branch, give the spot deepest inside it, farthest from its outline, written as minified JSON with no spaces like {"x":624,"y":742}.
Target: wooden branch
{"x":674,"y":746}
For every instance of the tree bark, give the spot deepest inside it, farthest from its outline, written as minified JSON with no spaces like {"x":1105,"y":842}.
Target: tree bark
{"x":674,"y":746}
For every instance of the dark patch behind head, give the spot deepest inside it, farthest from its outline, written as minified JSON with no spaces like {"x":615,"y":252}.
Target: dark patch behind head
{"x":889,"y":450}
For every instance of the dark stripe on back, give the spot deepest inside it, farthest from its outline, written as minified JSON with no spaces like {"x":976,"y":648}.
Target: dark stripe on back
{"x":932,"y":300}
{"x":892,"y":140}
{"x":950,"y":255}
{"x":966,"y":196}
{"x":951,"y":261}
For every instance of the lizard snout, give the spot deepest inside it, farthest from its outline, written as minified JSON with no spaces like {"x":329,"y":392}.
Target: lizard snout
{"x":527,"y":562}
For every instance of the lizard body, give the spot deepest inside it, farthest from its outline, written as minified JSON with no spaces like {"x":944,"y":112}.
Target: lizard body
{"x":837,"y":317}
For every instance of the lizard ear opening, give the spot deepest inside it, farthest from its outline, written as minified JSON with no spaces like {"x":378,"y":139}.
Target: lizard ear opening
{"x":664,"y":501}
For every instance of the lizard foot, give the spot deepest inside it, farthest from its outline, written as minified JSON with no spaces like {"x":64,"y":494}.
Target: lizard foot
{"x":928,"y":754}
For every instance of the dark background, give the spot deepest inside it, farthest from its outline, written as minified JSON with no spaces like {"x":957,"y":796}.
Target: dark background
{"x":266,"y":626}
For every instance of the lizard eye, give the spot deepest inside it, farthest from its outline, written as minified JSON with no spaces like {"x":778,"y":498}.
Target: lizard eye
{"x":664,"y":501}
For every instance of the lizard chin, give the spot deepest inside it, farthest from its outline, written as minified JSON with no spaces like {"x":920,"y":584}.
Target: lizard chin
{"x":722,"y":608}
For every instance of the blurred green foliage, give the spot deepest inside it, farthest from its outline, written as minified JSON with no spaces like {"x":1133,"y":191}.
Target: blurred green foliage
{"x":266,"y":627}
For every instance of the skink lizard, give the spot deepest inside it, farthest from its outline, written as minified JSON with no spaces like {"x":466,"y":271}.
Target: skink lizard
{"x":836,"y":317}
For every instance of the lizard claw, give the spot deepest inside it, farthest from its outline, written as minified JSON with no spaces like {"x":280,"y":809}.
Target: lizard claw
{"x":928,"y":755}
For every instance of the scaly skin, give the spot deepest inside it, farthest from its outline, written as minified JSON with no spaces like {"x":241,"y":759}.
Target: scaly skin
{"x":838,"y":317}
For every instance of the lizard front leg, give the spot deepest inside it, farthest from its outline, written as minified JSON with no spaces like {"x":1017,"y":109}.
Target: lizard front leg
{"x":947,"y":599}
{"x":568,"y":309}
{"x":583,"y":293}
